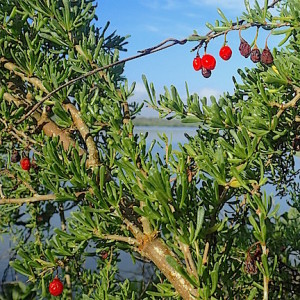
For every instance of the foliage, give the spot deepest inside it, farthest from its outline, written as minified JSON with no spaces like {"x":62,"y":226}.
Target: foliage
{"x":200,"y":214}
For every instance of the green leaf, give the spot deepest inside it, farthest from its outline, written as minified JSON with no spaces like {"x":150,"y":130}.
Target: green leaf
{"x":252,"y":294}
{"x":200,"y":219}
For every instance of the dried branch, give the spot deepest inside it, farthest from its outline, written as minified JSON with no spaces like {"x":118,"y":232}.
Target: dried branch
{"x":35,"y":198}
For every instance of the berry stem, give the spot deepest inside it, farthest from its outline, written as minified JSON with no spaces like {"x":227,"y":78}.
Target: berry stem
{"x":266,"y":44}
{"x":256,"y":36}
{"x":225,"y":35}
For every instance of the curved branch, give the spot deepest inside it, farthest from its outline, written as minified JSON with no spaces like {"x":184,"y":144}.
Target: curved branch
{"x":13,"y":68}
{"x":93,"y":159}
{"x":47,"y":125}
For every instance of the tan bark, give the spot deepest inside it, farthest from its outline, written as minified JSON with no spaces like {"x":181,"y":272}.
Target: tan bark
{"x":93,"y":159}
{"x":47,"y":125}
{"x":33,"y":80}
{"x":157,"y":251}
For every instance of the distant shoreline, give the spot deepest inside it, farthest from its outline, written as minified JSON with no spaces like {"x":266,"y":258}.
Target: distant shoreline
{"x":143,"y":121}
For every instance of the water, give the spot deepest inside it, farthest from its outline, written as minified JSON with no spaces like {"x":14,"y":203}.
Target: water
{"x":176,"y":135}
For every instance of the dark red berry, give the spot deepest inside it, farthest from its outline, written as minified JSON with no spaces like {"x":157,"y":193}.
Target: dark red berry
{"x":15,"y":156}
{"x":225,"y":52}
{"x":255,"y":55}
{"x":104,"y":255}
{"x":296,"y":144}
{"x":266,"y":57}
{"x":206,"y":73}
{"x":208,"y":62}
{"x":244,"y":48}
{"x":25,"y":163}
{"x":56,"y":287}
{"x":197,"y":64}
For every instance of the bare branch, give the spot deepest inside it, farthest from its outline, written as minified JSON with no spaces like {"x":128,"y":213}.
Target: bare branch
{"x":93,"y":159}
{"x":13,"y":68}
{"x":35,"y":198}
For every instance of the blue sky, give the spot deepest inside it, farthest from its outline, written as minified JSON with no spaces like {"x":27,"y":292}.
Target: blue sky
{"x":148,"y":22}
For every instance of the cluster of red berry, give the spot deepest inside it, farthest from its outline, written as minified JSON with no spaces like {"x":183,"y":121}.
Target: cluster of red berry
{"x":207,"y":63}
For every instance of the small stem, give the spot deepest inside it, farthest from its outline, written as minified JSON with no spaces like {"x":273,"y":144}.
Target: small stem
{"x":205,"y":254}
{"x":114,"y":237}
{"x":255,"y":39}
{"x":283,"y":107}
{"x":266,"y":279}
{"x":191,"y":268}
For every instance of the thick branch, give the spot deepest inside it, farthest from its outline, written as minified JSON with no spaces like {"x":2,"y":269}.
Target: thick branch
{"x":93,"y":159}
{"x":13,"y":68}
{"x":157,"y":251}
{"x":47,"y":125}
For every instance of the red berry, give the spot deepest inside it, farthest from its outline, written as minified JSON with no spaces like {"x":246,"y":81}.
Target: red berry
{"x":208,"y":62}
{"x":25,"y":163}
{"x":104,"y":255}
{"x":225,"y":52}
{"x":197,"y":64}
{"x":56,"y":287}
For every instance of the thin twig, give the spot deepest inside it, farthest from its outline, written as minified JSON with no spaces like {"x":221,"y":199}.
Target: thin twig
{"x":284,"y":107}
{"x":191,"y":267}
{"x":35,"y":198}
{"x":24,"y":142}
{"x":205,"y":254}
{"x":92,"y":72}
{"x":115,"y":237}
{"x":20,"y":179}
